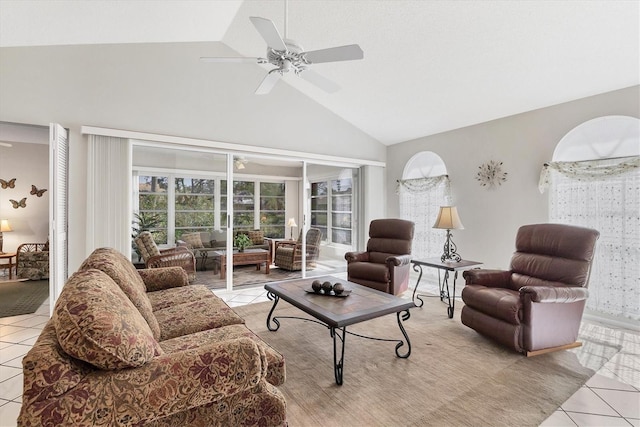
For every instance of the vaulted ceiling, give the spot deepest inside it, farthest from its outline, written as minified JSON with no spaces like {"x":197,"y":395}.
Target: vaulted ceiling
{"x":429,"y":66}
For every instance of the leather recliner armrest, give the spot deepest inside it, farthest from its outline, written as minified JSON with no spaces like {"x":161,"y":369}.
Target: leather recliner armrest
{"x":357,"y":257}
{"x":490,"y":278}
{"x":554,"y":294}
{"x":398,"y":260}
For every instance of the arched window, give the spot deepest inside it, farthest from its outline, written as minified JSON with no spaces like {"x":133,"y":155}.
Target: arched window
{"x":424,"y":187}
{"x":594,"y":181}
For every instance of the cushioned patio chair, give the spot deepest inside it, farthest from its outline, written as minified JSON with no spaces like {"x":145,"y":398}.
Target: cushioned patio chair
{"x":289,"y":254}
{"x":385,"y":264}
{"x":32,"y":261}
{"x":536,"y":306}
{"x":154,"y":257}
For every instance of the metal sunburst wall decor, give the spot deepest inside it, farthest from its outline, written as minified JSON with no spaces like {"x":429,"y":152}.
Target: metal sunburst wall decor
{"x":491,"y":175}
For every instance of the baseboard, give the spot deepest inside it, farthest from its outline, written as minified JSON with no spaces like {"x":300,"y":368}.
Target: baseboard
{"x":552,"y":349}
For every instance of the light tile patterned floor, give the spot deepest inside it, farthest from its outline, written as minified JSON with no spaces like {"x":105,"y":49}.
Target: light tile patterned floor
{"x":610,"y":398}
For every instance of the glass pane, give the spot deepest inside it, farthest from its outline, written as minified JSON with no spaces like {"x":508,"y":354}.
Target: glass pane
{"x":342,"y":237}
{"x":152,"y":184}
{"x":341,"y":203}
{"x":319,"y":219}
{"x":319,"y":189}
{"x":341,"y":186}
{"x":195,"y":219}
{"x":319,"y":203}
{"x":200,"y":202}
{"x":153,"y":202}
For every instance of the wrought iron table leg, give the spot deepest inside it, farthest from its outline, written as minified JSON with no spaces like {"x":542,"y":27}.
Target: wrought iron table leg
{"x":275,"y":299}
{"x":451,"y":298}
{"x":405,"y":316}
{"x":338,"y":365}
{"x":417,"y":267}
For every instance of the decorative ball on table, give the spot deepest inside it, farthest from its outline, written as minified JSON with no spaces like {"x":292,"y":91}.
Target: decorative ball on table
{"x":338,"y":288}
{"x":316,"y":286}
{"x":327,"y":287}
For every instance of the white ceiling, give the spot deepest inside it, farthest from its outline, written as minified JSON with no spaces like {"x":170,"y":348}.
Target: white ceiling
{"x":429,"y":67}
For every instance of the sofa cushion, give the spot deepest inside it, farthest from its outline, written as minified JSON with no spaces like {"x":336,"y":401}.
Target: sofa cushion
{"x":276,"y":373}
{"x":97,"y":323}
{"x":173,"y":296}
{"x":193,"y":240}
{"x":256,"y":237}
{"x":195,"y":316}
{"x":122,"y":271}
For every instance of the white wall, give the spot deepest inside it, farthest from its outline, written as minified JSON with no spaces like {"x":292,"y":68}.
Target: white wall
{"x":29,"y":165}
{"x":523,"y":142}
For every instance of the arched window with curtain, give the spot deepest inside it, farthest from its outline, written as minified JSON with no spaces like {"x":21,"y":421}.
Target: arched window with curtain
{"x":424,"y":187}
{"x":594,"y":181}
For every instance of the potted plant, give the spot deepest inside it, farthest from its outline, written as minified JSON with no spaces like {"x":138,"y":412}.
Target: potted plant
{"x":241,"y":241}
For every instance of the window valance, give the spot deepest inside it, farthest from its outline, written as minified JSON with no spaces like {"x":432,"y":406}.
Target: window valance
{"x":591,"y":170}
{"x":422,"y":185}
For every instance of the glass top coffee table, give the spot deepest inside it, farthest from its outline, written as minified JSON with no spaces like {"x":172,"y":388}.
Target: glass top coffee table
{"x":336,"y":313}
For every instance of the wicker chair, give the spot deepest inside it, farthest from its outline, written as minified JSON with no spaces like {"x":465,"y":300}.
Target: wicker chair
{"x":32,"y":261}
{"x":289,"y":254}
{"x":154,"y":257}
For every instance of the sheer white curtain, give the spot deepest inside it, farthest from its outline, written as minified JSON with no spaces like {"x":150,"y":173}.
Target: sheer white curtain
{"x":420,"y":201}
{"x":604,"y":195}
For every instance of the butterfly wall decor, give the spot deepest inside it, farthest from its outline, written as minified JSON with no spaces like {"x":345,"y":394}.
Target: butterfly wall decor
{"x":35,"y":191}
{"x":21,"y":204}
{"x":8,"y":184}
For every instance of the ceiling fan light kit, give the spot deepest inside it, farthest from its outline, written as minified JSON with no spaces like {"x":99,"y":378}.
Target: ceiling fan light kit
{"x":287,"y":55}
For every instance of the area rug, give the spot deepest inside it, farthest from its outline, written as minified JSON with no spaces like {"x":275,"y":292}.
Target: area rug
{"x":248,"y":275}
{"x":454,"y":377}
{"x":22,"y":297}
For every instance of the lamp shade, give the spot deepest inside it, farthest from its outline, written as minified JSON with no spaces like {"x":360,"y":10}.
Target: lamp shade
{"x":291,"y":222}
{"x":448,"y":219}
{"x":4,"y":225}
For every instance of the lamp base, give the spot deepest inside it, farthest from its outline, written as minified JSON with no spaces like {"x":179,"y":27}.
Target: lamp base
{"x":450,"y":250}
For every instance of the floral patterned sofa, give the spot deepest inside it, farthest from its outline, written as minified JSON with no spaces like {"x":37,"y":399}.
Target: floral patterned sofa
{"x":129,"y":347}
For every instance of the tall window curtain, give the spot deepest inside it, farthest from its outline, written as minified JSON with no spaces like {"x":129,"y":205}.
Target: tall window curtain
{"x":109,"y":193}
{"x":420,"y":201}
{"x":604,"y":195}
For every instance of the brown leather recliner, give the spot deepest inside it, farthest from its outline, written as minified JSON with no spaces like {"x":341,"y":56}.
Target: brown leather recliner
{"x":385,"y":264}
{"x":536,"y":306}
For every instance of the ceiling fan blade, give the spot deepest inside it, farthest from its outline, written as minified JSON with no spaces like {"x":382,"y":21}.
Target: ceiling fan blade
{"x":321,"y":81}
{"x":5,"y":144}
{"x":333,"y":54}
{"x":229,"y":60}
{"x":268,"y":83}
{"x":269,"y":33}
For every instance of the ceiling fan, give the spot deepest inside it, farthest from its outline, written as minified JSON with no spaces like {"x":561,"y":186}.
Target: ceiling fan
{"x":287,"y":55}
{"x":5,"y":144}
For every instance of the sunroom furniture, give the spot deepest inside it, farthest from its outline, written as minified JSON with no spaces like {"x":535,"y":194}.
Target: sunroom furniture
{"x":204,"y":243}
{"x":155,"y":257}
{"x":536,"y":306}
{"x":246,"y":257}
{"x":9,"y":256}
{"x":32,"y":261}
{"x":385,"y":264}
{"x":289,"y":254}
{"x":129,"y":347}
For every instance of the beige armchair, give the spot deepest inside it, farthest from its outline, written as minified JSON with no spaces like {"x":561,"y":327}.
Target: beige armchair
{"x":32,"y":261}
{"x":289,"y":254}
{"x":154,"y":257}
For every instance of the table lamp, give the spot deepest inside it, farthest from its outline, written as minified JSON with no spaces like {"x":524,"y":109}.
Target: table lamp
{"x":448,"y":219}
{"x":291,"y":223}
{"x":4,"y":226}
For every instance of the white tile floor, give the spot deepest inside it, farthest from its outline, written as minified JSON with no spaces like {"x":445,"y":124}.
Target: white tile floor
{"x":610,"y":398}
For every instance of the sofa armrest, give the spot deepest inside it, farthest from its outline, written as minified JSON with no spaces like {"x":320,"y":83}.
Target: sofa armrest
{"x":490,"y":278}
{"x":357,"y":257}
{"x":178,"y":381}
{"x":398,"y":260}
{"x":156,"y":279}
{"x":553,"y":294}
